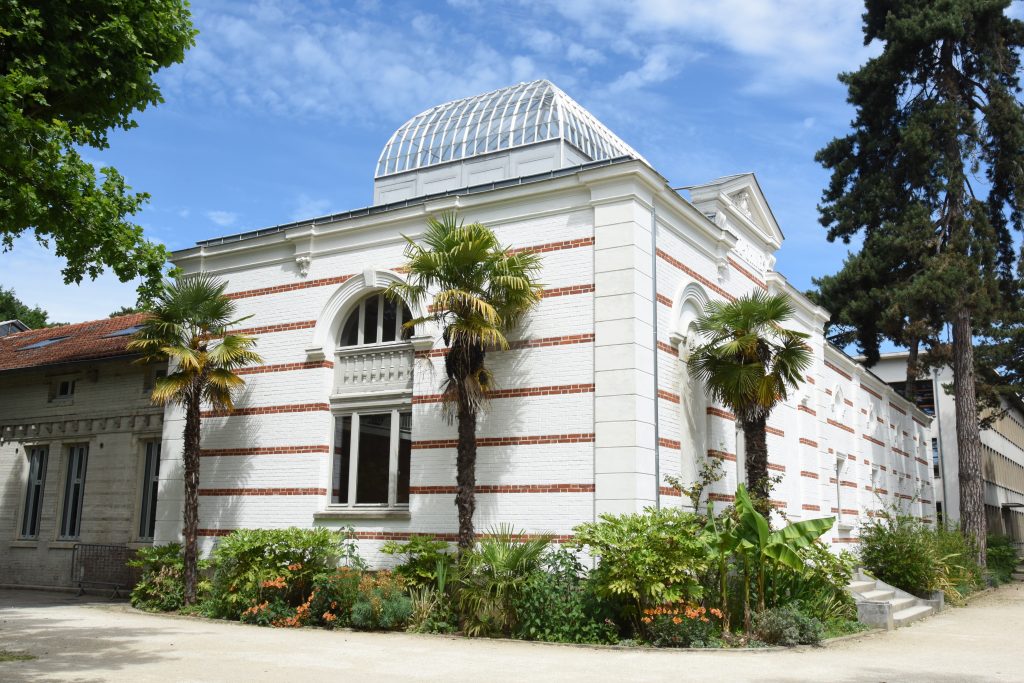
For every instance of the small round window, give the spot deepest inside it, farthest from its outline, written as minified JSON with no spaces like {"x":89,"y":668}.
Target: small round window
{"x":376,"y":320}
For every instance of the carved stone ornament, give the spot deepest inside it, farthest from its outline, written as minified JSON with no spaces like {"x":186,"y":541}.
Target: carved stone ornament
{"x":303,"y":263}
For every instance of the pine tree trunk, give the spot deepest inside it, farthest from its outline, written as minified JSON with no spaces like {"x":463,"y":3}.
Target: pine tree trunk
{"x":913,"y":370}
{"x":191,"y":512}
{"x":756,"y":456}
{"x":465,"y":477}
{"x":968,"y":436}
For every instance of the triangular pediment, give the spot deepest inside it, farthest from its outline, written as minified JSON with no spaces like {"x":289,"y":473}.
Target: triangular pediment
{"x":740,"y":199}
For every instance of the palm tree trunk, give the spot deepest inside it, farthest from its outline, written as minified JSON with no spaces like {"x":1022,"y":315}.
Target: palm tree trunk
{"x":191,"y":511}
{"x":968,"y":437}
{"x":465,"y":476}
{"x":756,"y":455}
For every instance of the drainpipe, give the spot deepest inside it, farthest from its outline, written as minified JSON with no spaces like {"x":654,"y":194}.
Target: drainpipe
{"x":942,"y":451}
{"x":654,"y":326}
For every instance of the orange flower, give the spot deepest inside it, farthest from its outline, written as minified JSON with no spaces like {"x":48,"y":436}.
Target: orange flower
{"x":294,"y":567}
{"x":676,"y":620}
{"x":647,"y":620}
{"x":328,"y":617}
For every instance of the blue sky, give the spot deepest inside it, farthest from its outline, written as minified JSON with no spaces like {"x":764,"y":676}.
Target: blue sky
{"x":281,"y":109}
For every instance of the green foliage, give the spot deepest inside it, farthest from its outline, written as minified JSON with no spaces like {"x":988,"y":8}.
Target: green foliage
{"x":161,"y":586}
{"x":381,"y":604}
{"x":251,"y":564}
{"x":645,"y":559}
{"x":558,"y":604}
{"x":333,"y":595}
{"x":787,"y":625}
{"x":11,"y":308}
{"x":70,"y":72}
{"x":422,"y":555}
{"x":1002,"y":558}
{"x":683,"y":625}
{"x":959,"y":573}
{"x":432,"y":611}
{"x":492,"y":576}
{"x":820,"y":587}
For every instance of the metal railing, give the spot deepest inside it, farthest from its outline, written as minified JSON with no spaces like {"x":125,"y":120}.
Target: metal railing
{"x":97,"y":564}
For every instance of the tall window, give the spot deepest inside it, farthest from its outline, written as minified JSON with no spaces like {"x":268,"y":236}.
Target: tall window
{"x":371,"y":459}
{"x":74,"y":490}
{"x":34,"y":492}
{"x":376,"y":320}
{"x":150,"y":484}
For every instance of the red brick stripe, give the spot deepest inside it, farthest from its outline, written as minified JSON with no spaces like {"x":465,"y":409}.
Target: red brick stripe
{"x":263,"y":450}
{"x":776,"y":468}
{"x":721,"y":455}
{"x":264,"y":492}
{"x":750,"y":276}
{"x":263,"y":291}
{"x":812,"y":508}
{"x":669,"y":443}
{"x":721,"y":497}
{"x":268,"y":410}
{"x":873,"y":440}
{"x":556,"y":246}
{"x":921,"y":460}
{"x":662,"y":346}
{"x":871,"y":391}
{"x":521,"y":392}
{"x":488,"y":441}
{"x":694,"y":274}
{"x":806,"y":409}
{"x":808,"y":474}
{"x":901,"y":452}
{"x":918,"y":422}
{"x":668,"y":396}
{"x":897,"y":408}
{"x":775,"y":430}
{"x":663,"y":300}
{"x":718,"y":412}
{"x":810,"y":380}
{"x":564,"y":340}
{"x":840,"y":426}
{"x":285,"y":367}
{"x":837,"y":370}
{"x":669,"y":491}
{"x":279,"y":327}
{"x":846,"y":511}
{"x":506,"y":488}
{"x":808,"y":442}
{"x":846,"y":540}
{"x":566,"y":291}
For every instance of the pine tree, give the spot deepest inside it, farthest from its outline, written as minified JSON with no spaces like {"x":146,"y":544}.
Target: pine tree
{"x":934,"y":159}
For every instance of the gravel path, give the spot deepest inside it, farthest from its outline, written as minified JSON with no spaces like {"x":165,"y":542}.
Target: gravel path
{"x":83,"y":639}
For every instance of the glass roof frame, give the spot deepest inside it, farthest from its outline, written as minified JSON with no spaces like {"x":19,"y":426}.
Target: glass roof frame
{"x":519,"y":115}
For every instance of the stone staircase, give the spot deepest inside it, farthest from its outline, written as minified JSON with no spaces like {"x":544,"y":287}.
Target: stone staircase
{"x":884,"y":606}
{"x":1018,"y":574}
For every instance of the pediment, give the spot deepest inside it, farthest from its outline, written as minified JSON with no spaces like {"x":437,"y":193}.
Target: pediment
{"x":740,"y":199}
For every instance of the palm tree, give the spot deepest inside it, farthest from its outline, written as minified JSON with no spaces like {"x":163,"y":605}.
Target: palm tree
{"x":478,"y":291}
{"x":188,"y":324}
{"x":750,"y":363}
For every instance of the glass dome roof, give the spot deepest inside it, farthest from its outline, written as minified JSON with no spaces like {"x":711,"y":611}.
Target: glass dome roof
{"x":515,"y":116}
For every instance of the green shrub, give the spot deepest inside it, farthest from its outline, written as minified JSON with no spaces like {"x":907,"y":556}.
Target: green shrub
{"x":646,"y":559}
{"x":820,"y":588}
{"x":1002,"y":558}
{"x":558,"y":604}
{"x":252,"y":566}
{"x":381,"y":603}
{"x":787,"y":625}
{"x":161,"y":586}
{"x":903,"y":552}
{"x":683,"y":625}
{"x":422,"y":554}
{"x":432,"y":608}
{"x":959,"y":572}
{"x":334,"y":593}
{"x":491,"y":579}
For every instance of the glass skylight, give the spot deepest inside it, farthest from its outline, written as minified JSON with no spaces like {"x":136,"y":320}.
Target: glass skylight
{"x":44,"y":342}
{"x":511,"y":117}
{"x":125,"y":332}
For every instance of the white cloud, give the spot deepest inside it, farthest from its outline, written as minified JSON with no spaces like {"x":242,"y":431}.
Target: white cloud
{"x":222,"y":218}
{"x":662,"y":63}
{"x":308,"y":207}
{"x":33,"y":271}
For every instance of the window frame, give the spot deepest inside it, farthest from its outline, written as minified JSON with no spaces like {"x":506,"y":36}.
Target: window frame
{"x":355,"y":413}
{"x":149,"y":493}
{"x":35,"y":491}
{"x":76,"y":453}
{"x":401,"y":334}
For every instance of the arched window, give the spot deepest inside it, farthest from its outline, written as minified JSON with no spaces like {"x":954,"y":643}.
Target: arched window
{"x":375,"y":320}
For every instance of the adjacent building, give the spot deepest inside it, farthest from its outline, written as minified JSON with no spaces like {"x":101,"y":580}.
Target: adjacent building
{"x":80,"y":447}
{"x":1002,"y":448}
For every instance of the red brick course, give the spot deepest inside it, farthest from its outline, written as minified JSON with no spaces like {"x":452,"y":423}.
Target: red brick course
{"x":808,"y":442}
{"x":837,"y":370}
{"x":871,"y":391}
{"x":487,"y":441}
{"x":564,"y":340}
{"x":518,"y":393}
{"x":811,"y":508}
{"x":669,"y":491}
{"x":873,"y":440}
{"x":721,"y":455}
{"x":277,"y":289}
{"x":669,"y":443}
{"x":663,"y":300}
{"x":506,"y":488}
{"x":279,"y":327}
{"x":672,"y":351}
{"x":774,"y":430}
{"x":718,"y":412}
{"x":566,"y":291}
{"x":840,"y":426}
{"x":806,"y":409}
{"x":694,"y":274}
{"x":263,"y":450}
{"x":264,"y":492}
{"x":285,"y":367}
{"x":750,"y":276}
{"x":808,"y":474}
{"x":269,"y":410}
{"x":556,"y":246}
{"x":668,"y":396}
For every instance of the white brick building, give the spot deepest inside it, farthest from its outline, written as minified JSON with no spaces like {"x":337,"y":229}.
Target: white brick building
{"x":591,"y":412}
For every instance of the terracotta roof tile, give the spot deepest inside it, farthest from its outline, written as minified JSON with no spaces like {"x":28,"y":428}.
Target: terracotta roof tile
{"x":78,"y":342}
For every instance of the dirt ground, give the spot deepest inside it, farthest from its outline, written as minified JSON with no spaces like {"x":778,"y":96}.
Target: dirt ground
{"x":91,"y":639}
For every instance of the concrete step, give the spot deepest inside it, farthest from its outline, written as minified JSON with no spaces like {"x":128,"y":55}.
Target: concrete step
{"x":909,"y":614}
{"x":1018,"y":576}
{"x":902,"y":603}
{"x":861,"y":586}
{"x":878,"y":595}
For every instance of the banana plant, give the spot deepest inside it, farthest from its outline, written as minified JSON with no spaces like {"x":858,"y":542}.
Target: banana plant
{"x":722,"y":541}
{"x":764,"y":545}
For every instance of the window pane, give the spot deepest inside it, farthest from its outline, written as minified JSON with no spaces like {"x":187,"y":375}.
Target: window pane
{"x":71,"y":515}
{"x":34,"y":493}
{"x":390,"y":321}
{"x":342,"y":451}
{"x":150,"y":486}
{"x":406,"y":316}
{"x":374,"y":452}
{"x":350,"y":332}
{"x":370,"y":323}
{"x":404,"y":453}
